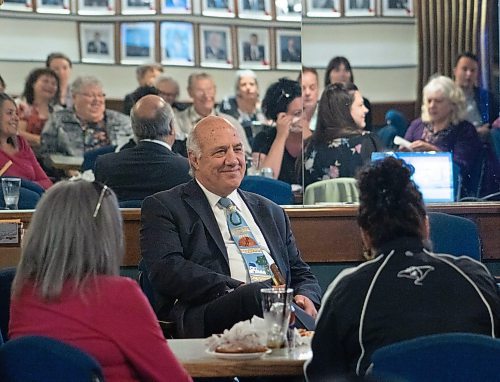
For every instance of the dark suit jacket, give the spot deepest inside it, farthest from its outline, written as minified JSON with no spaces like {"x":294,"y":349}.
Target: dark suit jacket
{"x":141,"y":171}
{"x":92,"y":47}
{"x":186,"y":256}
{"x":247,"y":56}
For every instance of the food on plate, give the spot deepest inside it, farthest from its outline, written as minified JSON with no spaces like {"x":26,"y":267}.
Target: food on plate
{"x":240,"y":347}
{"x":305,"y":332}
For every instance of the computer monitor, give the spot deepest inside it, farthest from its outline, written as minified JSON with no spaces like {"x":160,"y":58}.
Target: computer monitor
{"x":433,"y":173}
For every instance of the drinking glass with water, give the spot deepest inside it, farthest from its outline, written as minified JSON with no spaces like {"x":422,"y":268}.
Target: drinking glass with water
{"x":10,"y":189}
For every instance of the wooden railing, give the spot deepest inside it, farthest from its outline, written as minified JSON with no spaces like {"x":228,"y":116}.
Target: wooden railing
{"x":324,"y":235}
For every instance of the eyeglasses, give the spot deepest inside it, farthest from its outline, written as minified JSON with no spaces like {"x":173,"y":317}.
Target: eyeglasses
{"x":103,"y":191}
{"x":93,"y":95}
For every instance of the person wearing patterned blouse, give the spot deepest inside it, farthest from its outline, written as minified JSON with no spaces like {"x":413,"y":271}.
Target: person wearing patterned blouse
{"x":339,"y":146}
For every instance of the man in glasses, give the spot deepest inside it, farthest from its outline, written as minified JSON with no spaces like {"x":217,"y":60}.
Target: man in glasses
{"x":209,"y":247}
{"x":151,"y":166}
{"x":202,"y":89}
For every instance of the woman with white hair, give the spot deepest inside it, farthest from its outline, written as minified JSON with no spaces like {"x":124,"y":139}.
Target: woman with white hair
{"x":67,"y":286}
{"x":245,"y":106}
{"x":442,"y":126}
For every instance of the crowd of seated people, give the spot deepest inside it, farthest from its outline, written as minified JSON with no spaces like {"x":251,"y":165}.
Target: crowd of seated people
{"x":186,"y":165}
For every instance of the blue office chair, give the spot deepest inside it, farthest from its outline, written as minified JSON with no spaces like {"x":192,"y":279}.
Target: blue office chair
{"x":454,"y":235}
{"x":130,"y":203}
{"x":168,"y":327}
{"x":6,"y":278}
{"x":43,"y":359}
{"x":446,"y":357}
{"x":89,"y":157}
{"x":276,"y":190}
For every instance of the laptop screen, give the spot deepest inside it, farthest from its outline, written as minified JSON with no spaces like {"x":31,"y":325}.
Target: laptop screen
{"x":433,"y":173}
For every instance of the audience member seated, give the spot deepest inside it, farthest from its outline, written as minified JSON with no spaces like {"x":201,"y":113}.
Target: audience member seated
{"x":16,"y":155}
{"x":146,"y":76}
{"x":39,"y":101}
{"x":168,"y":89}
{"x":151,"y":166}
{"x":339,"y":146}
{"x":481,"y":104}
{"x":67,"y":286}
{"x":308,"y":79}
{"x":245,"y":106}
{"x":201,"y":88}
{"x":196,"y":262}
{"x":442,"y":127}
{"x":61,"y":65}
{"x":88,"y":126}
{"x":339,"y":70}
{"x":279,"y":146}
{"x":396,"y":125}
{"x":406,"y":291}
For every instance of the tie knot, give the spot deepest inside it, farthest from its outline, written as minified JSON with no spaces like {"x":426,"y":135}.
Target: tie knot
{"x":225,"y":202}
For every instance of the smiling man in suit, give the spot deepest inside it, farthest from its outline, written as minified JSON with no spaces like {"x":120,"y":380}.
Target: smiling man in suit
{"x":151,"y":166}
{"x":197,"y":266}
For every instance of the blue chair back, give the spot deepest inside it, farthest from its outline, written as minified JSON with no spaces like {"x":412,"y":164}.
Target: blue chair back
{"x":89,"y":157}
{"x":130,"y":203}
{"x":447,"y":357}
{"x":6,"y":278}
{"x":454,"y":235}
{"x":276,"y":190}
{"x":43,"y":359}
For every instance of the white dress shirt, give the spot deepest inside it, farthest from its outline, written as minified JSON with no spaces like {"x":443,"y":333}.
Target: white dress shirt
{"x":236,"y":263}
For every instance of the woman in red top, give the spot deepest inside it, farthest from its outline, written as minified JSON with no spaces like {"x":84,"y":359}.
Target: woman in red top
{"x":68,"y":287}
{"x":15,"y":149}
{"x":40,"y":99}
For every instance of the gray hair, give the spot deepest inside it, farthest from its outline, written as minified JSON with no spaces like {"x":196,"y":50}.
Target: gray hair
{"x":450,"y":91}
{"x":82,"y":82}
{"x":141,"y":70}
{"x":244,"y":73}
{"x":163,"y":79}
{"x":65,"y":242}
{"x":157,"y":127}
{"x":198,"y":76}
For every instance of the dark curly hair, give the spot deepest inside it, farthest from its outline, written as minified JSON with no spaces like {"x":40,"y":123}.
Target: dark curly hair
{"x":279,"y":96}
{"x":35,"y":74}
{"x":390,"y":204}
{"x":335,"y":63}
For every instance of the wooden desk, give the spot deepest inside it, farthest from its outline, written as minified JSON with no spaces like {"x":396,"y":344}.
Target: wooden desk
{"x":281,"y":362}
{"x":323,"y":235}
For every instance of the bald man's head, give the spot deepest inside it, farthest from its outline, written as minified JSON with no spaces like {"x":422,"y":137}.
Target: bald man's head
{"x":152,"y":118}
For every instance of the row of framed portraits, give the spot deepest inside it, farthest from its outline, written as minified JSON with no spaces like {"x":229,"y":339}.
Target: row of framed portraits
{"x":181,"y":43}
{"x":284,"y":10}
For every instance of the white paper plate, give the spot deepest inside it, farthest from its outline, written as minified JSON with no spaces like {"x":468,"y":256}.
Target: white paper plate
{"x":238,"y":356}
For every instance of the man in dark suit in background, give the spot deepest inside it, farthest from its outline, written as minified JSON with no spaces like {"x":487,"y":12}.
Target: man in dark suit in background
{"x":254,"y":5}
{"x":97,"y":46}
{"x":291,"y":52}
{"x":252,"y":51}
{"x":150,"y":166}
{"x":195,"y":266}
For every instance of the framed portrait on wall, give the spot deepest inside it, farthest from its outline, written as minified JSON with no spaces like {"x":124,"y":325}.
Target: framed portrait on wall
{"x":397,"y":8}
{"x":359,"y":7}
{"x":219,"y":8}
{"x":288,"y":10}
{"x":53,"y":6}
{"x":96,"y":7}
{"x":138,"y":7}
{"x":137,"y":43}
{"x":176,"y":6}
{"x":288,"y":49}
{"x":216,"y":46}
{"x":177,"y":43}
{"x":323,"y":8}
{"x":254,"y":9}
{"x":17,"y":5}
{"x":97,"y":42}
{"x":253,"y":48}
